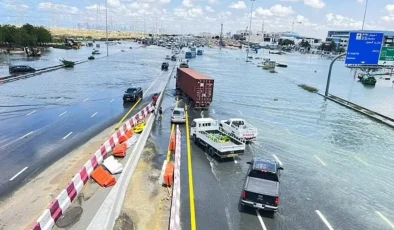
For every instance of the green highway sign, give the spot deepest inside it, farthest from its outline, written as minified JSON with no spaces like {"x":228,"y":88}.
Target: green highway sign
{"x":386,"y":56}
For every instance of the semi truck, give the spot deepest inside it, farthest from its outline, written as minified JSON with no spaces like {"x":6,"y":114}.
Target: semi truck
{"x":196,"y":87}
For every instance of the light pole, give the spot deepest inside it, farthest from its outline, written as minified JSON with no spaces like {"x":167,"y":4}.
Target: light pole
{"x":106,"y":23}
{"x":365,"y":13}
{"x":250,"y":29}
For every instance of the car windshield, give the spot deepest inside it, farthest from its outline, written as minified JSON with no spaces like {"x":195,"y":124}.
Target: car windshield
{"x":264,"y":175}
{"x":178,"y":113}
{"x":131,"y":90}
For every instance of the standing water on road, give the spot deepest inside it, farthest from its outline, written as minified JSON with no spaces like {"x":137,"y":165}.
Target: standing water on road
{"x":337,"y":162}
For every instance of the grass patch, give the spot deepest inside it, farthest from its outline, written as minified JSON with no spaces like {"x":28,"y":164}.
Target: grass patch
{"x":309,"y":88}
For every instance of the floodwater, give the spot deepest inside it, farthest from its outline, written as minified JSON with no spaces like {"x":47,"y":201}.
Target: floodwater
{"x":337,"y":162}
{"x":52,"y":57}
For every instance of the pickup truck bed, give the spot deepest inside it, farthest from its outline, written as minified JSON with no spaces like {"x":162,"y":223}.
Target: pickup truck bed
{"x":256,"y":185}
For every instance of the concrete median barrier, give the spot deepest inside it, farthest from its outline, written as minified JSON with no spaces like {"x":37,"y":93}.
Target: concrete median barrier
{"x":57,"y":207}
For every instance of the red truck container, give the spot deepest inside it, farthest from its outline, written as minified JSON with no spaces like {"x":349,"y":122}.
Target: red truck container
{"x":197,"y":87}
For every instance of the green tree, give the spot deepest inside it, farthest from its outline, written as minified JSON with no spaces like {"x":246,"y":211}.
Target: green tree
{"x":305,"y":44}
{"x":43,"y":35}
{"x":341,"y":50}
{"x":287,"y":42}
{"x":332,"y":46}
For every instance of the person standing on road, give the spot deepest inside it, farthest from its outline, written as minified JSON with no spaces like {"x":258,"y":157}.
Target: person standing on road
{"x":154,"y":98}
{"x":160,"y":114}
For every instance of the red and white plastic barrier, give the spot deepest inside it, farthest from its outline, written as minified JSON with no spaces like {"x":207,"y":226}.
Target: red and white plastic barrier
{"x":175,"y":223}
{"x":58,"y":206}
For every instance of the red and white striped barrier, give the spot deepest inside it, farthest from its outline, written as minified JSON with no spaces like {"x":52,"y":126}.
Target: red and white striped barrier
{"x":175,"y":223}
{"x":58,"y":206}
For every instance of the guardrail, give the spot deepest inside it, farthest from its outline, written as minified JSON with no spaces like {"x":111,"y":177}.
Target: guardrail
{"x":175,"y":223}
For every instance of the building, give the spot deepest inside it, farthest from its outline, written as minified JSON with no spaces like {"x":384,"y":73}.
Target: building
{"x":341,"y":37}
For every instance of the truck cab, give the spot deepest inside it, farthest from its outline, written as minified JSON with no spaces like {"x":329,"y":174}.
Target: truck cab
{"x":261,"y":187}
{"x":203,"y":124}
{"x":239,"y":128}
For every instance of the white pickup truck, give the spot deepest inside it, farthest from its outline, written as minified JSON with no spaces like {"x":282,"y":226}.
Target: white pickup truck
{"x":239,"y":128}
{"x":210,"y":137}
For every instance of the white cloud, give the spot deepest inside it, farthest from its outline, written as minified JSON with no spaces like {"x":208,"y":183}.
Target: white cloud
{"x":136,"y":5}
{"x":318,"y":4}
{"x":114,"y":3}
{"x":58,"y":8}
{"x":187,"y":3}
{"x":11,"y":5}
{"x":209,"y":9}
{"x":195,"y":12}
{"x":336,"y":21}
{"x":390,"y":11}
{"x":360,"y":1}
{"x":238,"y":5}
{"x":213,"y":1}
{"x":276,"y":10}
{"x":165,"y":1}
{"x":288,"y":0}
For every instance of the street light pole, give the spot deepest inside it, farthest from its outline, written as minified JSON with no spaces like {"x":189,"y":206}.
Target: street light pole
{"x":329,"y":73}
{"x":106,"y":23}
{"x":365,"y":13}
{"x":250,"y":29}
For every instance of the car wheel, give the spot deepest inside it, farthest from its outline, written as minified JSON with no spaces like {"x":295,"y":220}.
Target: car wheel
{"x":241,"y":207}
{"x":211,"y":151}
{"x":194,"y":139}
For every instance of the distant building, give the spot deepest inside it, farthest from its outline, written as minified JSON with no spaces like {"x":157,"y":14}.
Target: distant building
{"x":341,"y":37}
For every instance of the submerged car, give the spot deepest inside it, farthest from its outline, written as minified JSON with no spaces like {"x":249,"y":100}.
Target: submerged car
{"x":21,"y":69}
{"x":178,"y":115}
{"x":132,"y":95}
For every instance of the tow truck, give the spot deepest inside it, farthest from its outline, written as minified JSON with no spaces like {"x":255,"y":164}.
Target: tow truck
{"x":208,"y":135}
{"x":239,"y":128}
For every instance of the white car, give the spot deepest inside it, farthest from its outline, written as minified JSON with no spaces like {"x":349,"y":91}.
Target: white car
{"x":178,"y":116}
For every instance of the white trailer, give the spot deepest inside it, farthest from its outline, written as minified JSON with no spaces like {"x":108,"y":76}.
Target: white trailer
{"x":207,"y":134}
{"x":239,"y":128}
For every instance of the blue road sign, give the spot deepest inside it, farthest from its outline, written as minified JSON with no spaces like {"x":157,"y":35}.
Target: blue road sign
{"x":364,"y":48}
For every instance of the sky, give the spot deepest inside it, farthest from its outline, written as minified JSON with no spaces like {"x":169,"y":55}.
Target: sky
{"x":311,"y":18}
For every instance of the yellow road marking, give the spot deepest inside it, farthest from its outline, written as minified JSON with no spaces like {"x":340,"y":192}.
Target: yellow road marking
{"x":125,"y":116}
{"x":190,"y":170}
{"x":169,"y":151}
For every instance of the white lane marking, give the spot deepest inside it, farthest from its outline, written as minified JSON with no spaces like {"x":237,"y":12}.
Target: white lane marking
{"x":59,"y":99}
{"x":324,"y":220}
{"x":261,"y":220}
{"x":235,"y":161}
{"x":67,"y":135}
{"x":213,"y":111}
{"x":19,"y":173}
{"x":385,"y":219}
{"x":62,"y":113}
{"x":94,"y":114}
{"x":102,"y":90}
{"x":31,"y":112}
{"x":362,"y":161}
{"x":322,"y":162}
{"x":26,"y":135}
{"x":240,"y":113}
{"x":277,"y":159}
{"x":112,"y":100}
{"x":86,"y":99}
{"x":2,"y":110}
{"x":152,"y":84}
{"x":202,"y":114}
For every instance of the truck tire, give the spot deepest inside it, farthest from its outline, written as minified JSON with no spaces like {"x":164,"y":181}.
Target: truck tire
{"x":241,"y":207}
{"x":211,"y":152}
{"x":195,"y":139}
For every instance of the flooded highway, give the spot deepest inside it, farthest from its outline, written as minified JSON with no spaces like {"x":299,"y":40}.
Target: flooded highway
{"x":45,"y":117}
{"x":338,"y":164}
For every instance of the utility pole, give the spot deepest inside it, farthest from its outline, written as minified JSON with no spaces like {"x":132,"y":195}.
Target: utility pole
{"x":250,"y":30}
{"x":221,"y":36}
{"x":106,"y":23}
{"x":365,"y":13}
{"x":292,"y":27}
